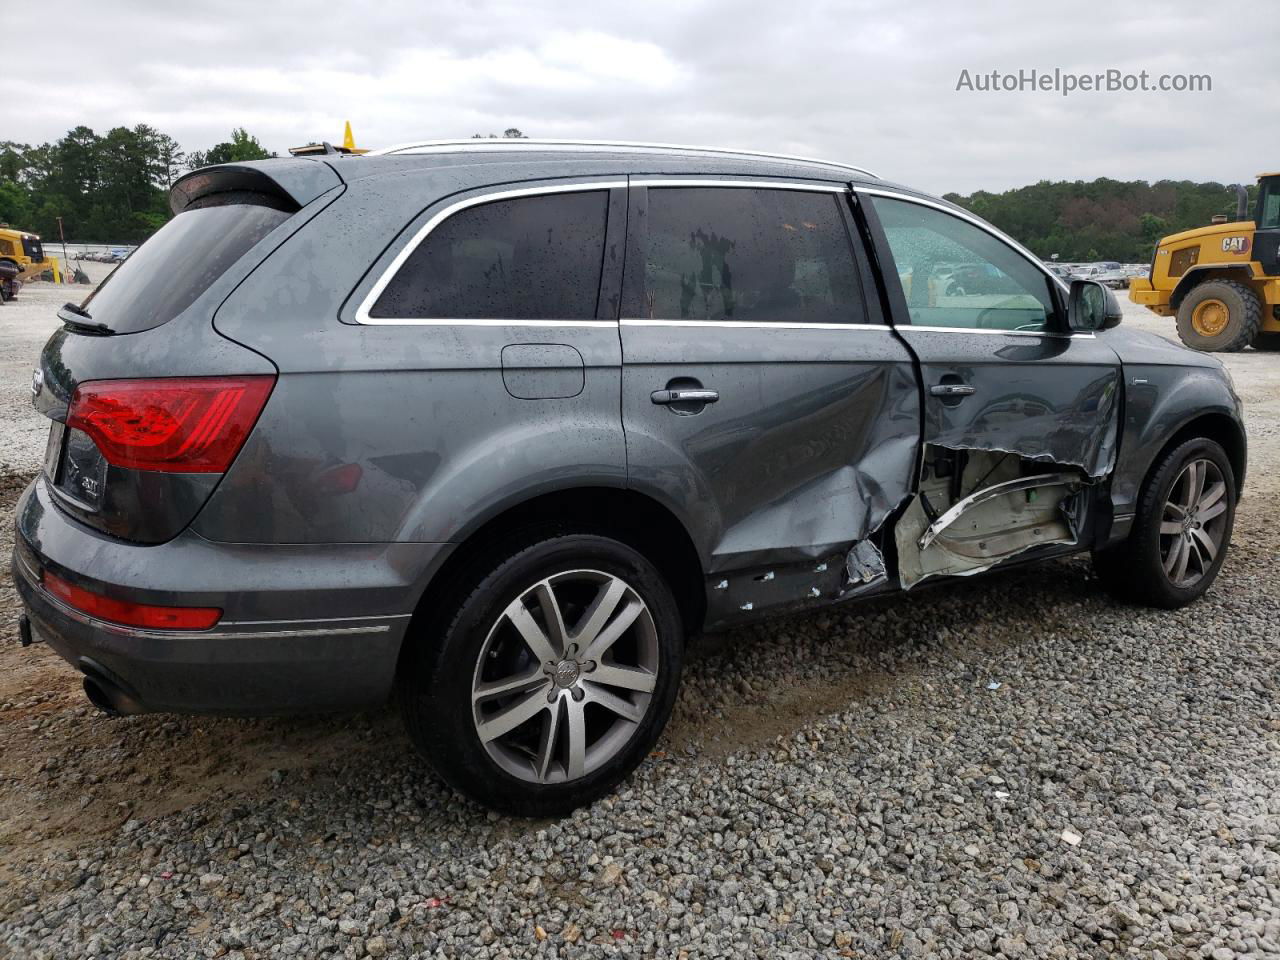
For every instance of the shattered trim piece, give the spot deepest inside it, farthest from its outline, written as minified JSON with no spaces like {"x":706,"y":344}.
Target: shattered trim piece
{"x":864,"y":563}
{"x":960,"y":507}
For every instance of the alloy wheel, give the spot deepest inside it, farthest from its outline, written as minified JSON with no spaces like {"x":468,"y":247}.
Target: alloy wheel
{"x":1193,"y":523}
{"x":565,"y":676}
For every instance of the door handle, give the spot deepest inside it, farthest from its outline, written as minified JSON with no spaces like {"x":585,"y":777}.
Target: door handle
{"x":684,"y":396}
{"x":952,"y":390}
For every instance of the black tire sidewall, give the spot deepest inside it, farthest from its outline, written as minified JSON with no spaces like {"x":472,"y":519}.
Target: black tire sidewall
{"x":1244,"y":315}
{"x":435,"y":687}
{"x":1154,"y":584}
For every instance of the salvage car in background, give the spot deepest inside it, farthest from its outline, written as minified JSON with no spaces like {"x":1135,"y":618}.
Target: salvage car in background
{"x":497,"y":424}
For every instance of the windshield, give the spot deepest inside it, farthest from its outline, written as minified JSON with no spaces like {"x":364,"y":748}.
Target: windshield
{"x":182,"y":259}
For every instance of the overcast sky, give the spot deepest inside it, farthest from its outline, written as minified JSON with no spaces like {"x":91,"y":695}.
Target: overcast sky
{"x":871,"y":83}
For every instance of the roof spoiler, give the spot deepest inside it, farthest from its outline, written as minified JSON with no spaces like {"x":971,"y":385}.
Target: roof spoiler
{"x":296,"y":182}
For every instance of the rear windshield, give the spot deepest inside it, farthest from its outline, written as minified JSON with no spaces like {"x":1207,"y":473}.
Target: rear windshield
{"x":32,"y":248}
{"x":181,"y":260}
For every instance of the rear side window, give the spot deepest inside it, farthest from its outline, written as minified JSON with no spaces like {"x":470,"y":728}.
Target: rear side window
{"x":179,"y":262}
{"x":748,"y":255}
{"x":528,"y":258}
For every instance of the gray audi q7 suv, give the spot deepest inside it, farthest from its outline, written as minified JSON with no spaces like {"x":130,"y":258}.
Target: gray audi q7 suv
{"x":495,"y":426}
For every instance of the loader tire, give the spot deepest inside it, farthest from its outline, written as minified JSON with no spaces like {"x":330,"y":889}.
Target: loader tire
{"x":1219,"y":316}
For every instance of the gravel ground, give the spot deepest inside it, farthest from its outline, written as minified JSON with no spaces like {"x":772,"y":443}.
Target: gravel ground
{"x":1012,"y":766}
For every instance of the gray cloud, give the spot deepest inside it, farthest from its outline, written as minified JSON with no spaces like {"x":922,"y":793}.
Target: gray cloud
{"x":868,"y":82}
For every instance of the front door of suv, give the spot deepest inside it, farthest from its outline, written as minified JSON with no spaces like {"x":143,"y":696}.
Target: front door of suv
{"x":763,"y":398}
{"x":1001,"y":371}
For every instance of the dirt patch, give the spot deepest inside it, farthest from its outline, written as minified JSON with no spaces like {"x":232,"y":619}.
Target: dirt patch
{"x":69,"y":773}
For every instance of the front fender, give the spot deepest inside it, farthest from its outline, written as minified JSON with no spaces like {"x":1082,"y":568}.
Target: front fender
{"x":1160,"y":402}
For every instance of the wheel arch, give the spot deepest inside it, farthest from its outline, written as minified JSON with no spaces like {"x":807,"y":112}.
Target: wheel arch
{"x":1218,"y":427}
{"x":1198,"y":275}
{"x":634,"y":518}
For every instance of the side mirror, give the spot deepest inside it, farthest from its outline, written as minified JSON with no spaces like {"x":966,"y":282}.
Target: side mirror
{"x":1091,"y":306}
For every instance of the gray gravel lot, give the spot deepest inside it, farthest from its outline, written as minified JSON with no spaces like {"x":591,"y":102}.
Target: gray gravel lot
{"x":1010,"y":766}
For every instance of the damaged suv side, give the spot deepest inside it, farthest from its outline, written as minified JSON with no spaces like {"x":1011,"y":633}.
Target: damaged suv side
{"x":496,"y":425}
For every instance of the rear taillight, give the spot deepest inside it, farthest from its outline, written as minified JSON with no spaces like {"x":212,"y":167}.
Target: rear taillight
{"x":130,"y":614}
{"x":177,"y":425}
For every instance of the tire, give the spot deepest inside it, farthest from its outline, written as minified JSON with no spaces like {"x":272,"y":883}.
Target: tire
{"x":1219,"y":316}
{"x":1266,"y":342}
{"x":1141,"y":569}
{"x":449,"y":681}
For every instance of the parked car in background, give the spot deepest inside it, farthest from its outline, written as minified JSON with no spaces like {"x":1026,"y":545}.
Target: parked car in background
{"x":496,"y":425}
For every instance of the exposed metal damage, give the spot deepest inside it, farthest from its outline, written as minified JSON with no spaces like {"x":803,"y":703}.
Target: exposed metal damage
{"x":977,"y":508}
{"x":987,"y":488}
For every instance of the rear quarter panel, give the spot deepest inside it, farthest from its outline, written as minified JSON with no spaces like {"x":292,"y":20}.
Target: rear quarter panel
{"x":419,"y":415}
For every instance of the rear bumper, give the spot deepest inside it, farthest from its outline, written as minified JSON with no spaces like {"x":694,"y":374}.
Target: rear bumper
{"x":304,"y":627}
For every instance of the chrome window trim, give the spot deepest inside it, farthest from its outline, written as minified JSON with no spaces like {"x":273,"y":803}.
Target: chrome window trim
{"x":738,"y":184}
{"x":754,"y":324}
{"x":362,"y":312}
{"x":859,"y":327}
{"x":920,"y":328}
{"x":635,"y":146}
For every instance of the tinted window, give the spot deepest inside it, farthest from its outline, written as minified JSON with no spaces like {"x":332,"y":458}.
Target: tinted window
{"x":33,"y":248}
{"x":954,"y":274}
{"x":748,"y":255}
{"x":181,"y":260}
{"x":532,"y":258}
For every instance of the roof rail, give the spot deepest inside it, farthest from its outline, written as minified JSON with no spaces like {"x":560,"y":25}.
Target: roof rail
{"x":488,"y":143}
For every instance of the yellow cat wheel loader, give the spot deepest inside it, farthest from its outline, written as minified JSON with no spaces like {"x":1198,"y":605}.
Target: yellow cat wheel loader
{"x":1222,"y":282}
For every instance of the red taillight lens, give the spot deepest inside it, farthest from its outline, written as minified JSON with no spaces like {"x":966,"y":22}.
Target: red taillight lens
{"x":178,"y":425}
{"x":130,"y":614}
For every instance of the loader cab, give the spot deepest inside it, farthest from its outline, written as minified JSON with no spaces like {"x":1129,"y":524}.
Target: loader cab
{"x":1266,"y":242}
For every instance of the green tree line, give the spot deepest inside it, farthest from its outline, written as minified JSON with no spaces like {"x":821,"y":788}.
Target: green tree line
{"x":112,"y":188}
{"x":1101,"y":219}
{"x":109,"y":188}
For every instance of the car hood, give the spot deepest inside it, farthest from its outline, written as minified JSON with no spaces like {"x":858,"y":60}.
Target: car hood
{"x":1139,"y":346}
